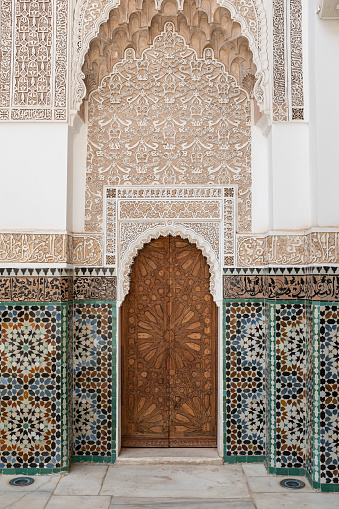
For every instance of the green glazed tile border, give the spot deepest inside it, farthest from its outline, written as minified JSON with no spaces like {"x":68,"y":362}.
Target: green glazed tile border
{"x":329,"y":488}
{"x":244,"y":459}
{"x":300,"y":472}
{"x":32,"y":471}
{"x":271,"y":363}
{"x":316,"y":394}
{"x":224,"y":401}
{"x":64,"y":387}
{"x":114,"y":380}
{"x":83,"y":301}
{"x":94,"y":459}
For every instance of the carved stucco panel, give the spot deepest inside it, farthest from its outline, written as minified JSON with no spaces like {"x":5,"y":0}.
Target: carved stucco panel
{"x":33,"y":63}
{"x":311,"y":248}
{"x":251,"y":15}
{"x":168,"y":118}
{"x":170,"y":209}
{"x":87,"y":250}
{"x":144,"y":214}
{"x":33,"y":248}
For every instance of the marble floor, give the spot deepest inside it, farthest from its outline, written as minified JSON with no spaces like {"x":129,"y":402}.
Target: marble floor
{"x":96,"y":486}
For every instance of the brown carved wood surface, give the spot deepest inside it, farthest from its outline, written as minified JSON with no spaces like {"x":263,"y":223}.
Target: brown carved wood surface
{"x":169,"y":355}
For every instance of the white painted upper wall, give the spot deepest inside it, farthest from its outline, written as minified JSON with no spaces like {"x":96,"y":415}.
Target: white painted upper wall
{"x":295,"y":166}
{"x":324,"y":117}
{"x":33,"y":176}
{"x":79,"y":155}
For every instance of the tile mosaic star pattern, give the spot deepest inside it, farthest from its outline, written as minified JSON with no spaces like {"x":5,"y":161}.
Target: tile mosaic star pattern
{"x":329,"y":398}
{"x":309,"y":391}
{"x":290,"y":384}
{"x":93,"y":380}
{"x":244,"y":379}
{"x":31,"y":390}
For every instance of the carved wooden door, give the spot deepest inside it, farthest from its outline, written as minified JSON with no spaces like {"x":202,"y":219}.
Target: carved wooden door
{"x":169,"y":355}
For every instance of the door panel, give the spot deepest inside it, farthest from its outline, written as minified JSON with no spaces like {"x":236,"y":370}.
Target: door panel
{"x":169,"y":349}
{"x":145,"y":354}
{"x":192,"y":349}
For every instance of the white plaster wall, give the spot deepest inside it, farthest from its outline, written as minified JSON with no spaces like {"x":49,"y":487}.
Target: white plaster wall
{"x":260,"y":181}
{"x":33,"y":176}
{"x":79,"y":154}
{"x":324,"y":117}
{"x":290,"y":176}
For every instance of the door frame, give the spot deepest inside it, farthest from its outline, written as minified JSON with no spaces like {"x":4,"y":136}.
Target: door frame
{"x":219,"y":304}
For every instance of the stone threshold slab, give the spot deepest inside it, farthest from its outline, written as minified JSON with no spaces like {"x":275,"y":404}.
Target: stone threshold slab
{"x":170,"y":456}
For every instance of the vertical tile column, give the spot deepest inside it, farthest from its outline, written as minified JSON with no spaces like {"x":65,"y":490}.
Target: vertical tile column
{"x":286,"y":366}
{"x":94,"y":366}
{"x":271,"y":389}
{"x":34,"y":366}
{"x":322,"y":466}
{"x":244,"y":360}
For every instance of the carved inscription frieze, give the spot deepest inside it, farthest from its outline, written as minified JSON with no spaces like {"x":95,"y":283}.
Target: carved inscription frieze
{"x":323,"y":248}
{"x":168,"y":118}
{"x":312,"y":248}
{"x":6,"y":20}
{"x":33,"y":248}
{"x":87,"y":250}
{"x":280,"y":108}
{"x":50,"y":248}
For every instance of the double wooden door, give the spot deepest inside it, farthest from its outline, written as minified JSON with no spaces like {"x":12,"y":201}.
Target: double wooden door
{"x":169,"y":349}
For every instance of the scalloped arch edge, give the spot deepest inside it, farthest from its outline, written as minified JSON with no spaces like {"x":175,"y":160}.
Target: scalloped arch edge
{"x":81,"y":45}
{"x":123,"y":282}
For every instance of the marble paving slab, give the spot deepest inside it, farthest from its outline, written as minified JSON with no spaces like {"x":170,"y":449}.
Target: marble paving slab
{"x":176,"y":503}
{"x":296,"y":500}
{"x":170,"y":456}
{"x":187,"y":482}
{"x":78,"y":502}
{"x":41,"y":483}
{"x":271,"y":484}
{"x":24,"y":500}
{"x":84,"y":479}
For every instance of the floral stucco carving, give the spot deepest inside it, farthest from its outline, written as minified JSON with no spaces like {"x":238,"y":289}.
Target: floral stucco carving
{"x":168,"y":118}
{"x":250,"y":14}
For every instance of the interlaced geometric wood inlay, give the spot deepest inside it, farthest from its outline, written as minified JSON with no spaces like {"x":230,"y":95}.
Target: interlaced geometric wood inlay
{"x":169,"y":349}
{"x":168,"y":118}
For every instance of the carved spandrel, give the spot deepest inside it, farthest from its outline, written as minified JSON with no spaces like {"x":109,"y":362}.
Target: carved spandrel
{"x":185,"y":122}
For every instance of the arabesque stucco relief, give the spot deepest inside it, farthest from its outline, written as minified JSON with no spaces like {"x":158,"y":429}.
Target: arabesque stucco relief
{"x":171,"y":119}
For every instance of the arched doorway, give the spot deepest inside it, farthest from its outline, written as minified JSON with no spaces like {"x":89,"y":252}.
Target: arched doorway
{"x":169,"y":349}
